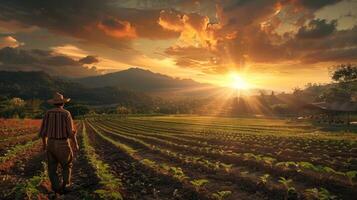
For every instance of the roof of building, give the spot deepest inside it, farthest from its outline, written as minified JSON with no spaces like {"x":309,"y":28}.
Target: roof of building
{"x":336,"y":106}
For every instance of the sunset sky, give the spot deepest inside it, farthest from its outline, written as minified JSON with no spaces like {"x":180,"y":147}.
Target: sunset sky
{"x":273,"y":44}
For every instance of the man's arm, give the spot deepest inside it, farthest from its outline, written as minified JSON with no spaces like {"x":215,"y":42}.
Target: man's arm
{"x":72,"y":132}
{"x":44,"y":143}
{"x":43,"y":133}
{"x":74,"y":140}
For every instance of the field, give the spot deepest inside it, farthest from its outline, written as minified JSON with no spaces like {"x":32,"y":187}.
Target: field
{"x":187,"y":157}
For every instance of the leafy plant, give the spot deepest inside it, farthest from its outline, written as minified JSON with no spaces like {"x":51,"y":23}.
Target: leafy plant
{"x":29,"y":188}
{"x":177,"y":173}
{"x":264,"y":178}
{"x":321,"y":194}
{"x":351,"y":175}
{"x":110,"y":185}
{"x":221,"y":195}
{"x":197,"y":183}
{"x":287,"y":185}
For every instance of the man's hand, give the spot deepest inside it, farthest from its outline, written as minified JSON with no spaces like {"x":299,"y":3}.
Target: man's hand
{"x":76,"y":147}
{"x":44,"y":143}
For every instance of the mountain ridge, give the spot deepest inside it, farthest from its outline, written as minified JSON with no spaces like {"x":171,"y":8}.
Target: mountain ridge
{"x":40,"y":85}
{"x":139,"y":79}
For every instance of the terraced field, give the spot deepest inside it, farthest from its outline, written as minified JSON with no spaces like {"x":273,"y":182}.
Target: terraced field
{"x":188,"y":157}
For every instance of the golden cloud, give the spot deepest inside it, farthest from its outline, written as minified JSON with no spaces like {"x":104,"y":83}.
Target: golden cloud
{"x":117,"y":28}
{"x":9,"y":41}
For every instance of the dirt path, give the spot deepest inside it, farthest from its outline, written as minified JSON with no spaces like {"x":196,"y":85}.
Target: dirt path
{"x":84,"y":180}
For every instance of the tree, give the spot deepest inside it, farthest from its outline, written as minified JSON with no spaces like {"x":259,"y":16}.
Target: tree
{"x":346,"y":76}
{"x":13,"y":108}
{"x":344,"y":73}
{"x":78,"y":109}
{"x":338,"y":94}
{"x":33,"y":108}
{"x":282,"y":109}
{"x":122,"y":110}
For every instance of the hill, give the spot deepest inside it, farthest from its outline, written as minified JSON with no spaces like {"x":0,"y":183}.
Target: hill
{"x":138,"y":79}
{"x":39,"y":85}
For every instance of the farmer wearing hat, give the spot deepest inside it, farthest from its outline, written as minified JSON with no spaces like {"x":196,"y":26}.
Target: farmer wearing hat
{"x":56,"y":131}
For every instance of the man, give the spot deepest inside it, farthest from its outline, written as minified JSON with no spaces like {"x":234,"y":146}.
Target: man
{"x":56,"y":131}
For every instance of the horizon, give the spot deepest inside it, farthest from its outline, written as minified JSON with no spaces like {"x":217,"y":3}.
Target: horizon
{"x":272,"y":45}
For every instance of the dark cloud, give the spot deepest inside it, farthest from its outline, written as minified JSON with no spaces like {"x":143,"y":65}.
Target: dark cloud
{"x":317,"y":28}
{"x":316,"y":4}
{"x":91,"y":20}
{"x":246,"y":32}
{"x":211,"y":35}
{"x":332,"y":55}
{"x":89,"y":60}
{"x":16,"y":59}
{"x":339,"y":46}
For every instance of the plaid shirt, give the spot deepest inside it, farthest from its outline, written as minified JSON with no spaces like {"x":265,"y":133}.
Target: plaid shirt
{"x":57,"y":123}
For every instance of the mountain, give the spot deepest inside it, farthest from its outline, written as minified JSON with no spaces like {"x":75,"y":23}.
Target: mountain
{"x":138,"y":79}
{"x":39,"y":85}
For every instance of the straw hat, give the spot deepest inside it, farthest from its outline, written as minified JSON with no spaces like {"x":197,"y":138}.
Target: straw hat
{"x":58,"y":99}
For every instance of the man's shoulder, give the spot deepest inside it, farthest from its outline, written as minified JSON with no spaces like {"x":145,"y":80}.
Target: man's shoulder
{"x":66,"y":111}
{"x":61,"y":110}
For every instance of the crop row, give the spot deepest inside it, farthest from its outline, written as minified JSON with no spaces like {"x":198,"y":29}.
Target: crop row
{"x":162,"y":169}
{"x":17,"y":150}
{"x":29,"y":189}
{"x":197,"y":161}
{"x":294,"y":149}
{"x":221,"y":149}
{"x":111,"y":186}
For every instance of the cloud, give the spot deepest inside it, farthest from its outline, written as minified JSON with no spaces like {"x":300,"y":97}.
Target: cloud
{"x":341,"y":47}
{"x":9,"y":41}
{"x":317,"y":28}
{"x":96,"y":22}
{"x":315,"y":4}
{"x":213,"y":36}
{"x":195,"y":30}
{"x":247,"y":32}
{"x":89,"y":60}
{"x":16,"y":59}
{"x":117,"y":28}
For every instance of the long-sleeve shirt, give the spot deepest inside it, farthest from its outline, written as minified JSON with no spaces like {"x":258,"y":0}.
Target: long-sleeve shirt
{"x":57,"y":124}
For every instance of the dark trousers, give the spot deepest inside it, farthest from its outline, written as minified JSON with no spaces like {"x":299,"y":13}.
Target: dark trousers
{"x":59,"y":152}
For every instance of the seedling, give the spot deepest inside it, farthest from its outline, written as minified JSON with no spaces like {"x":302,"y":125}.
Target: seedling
{"x":221,"y":195}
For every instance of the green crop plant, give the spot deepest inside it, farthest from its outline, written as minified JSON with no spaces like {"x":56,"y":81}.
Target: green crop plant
{"x":198,"y":183}
{"x":110,"y":185}
{"x":269,"y":160}
{"x":320,"y":194}
{"x":148,"y":162}
{"x":30,"y":187}
{"x":264,"y":178}
{"x":177,"y":172}
{"x":221,"y":195}
{"x":287,"y":185}
{"x":227,"y":167}
{"x":351,"y":175}
{"x":14,"y":151}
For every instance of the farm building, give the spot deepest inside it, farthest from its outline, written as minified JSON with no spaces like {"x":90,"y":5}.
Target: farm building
{"x":332,"y":113}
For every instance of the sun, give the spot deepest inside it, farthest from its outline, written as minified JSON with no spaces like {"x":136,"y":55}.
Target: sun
{"x":236,"y":81}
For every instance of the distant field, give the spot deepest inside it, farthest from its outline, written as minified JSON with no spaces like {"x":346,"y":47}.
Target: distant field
{"x":192,"y":157}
